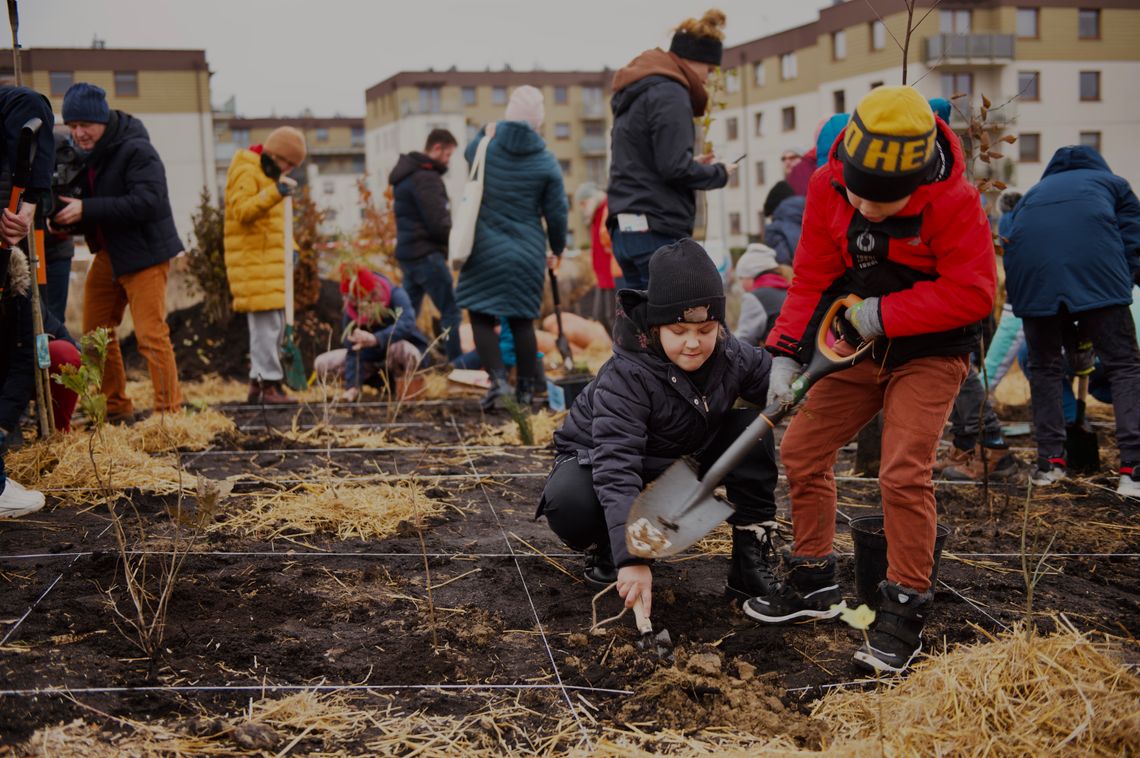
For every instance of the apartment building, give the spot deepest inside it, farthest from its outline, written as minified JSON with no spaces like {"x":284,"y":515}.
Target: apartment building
{"x":334,"y":164}
{"x":403,"y":109}
{"x":1057,"y":72}
{"x":169,"y":90}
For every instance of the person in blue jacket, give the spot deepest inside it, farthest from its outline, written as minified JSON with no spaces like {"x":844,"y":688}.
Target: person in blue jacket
{"x":505,"y":276}
{"x":1071,"y":259}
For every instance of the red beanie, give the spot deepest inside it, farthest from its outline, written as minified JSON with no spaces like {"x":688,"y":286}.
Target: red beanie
{"x":366,"y":288}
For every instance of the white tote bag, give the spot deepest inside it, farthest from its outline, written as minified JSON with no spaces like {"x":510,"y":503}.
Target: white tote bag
{"x":466,"y":214}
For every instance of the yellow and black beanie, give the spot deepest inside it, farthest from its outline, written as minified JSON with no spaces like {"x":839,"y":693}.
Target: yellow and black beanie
{"x":889,"y":144}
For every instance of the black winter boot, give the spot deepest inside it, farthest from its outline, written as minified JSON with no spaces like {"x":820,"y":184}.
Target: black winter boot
{"x":600,"y":571}
{"x":495,"y":399}
{"x":750,"y":573}
{"x":809,"y":593}
{"x":524,"y":391}
{"x":894,"y":638}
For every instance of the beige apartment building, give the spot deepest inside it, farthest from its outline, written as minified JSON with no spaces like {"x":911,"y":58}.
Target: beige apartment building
{"x":334,"y":164}
{"x":1062,"y":71}
{"x":169,"y":90}
{"x":403,"y":109}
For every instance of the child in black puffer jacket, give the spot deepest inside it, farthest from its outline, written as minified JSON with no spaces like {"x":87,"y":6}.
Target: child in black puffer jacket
{"x":668,"y":392}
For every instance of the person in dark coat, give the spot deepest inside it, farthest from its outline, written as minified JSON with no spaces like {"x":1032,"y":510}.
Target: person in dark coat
{"x":782,"y":233}
{"x":505,"y":275}
{"x":653,"y":174}
{"x":668,"y":392}
{"x":423,"y":225}
{"x":1071,"y":260}
{"x":129,"y":226}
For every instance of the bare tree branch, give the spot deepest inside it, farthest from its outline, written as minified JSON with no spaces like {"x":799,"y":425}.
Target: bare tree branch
{"x":884,"y":23}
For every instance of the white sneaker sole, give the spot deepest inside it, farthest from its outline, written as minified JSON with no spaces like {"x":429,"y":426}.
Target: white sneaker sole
{"x":797,"y":616}
{"x":880,"y":666}
{"x":17,"y":512}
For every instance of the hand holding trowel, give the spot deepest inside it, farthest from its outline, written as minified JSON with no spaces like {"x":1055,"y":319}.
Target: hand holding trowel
{"x":677,"y":509}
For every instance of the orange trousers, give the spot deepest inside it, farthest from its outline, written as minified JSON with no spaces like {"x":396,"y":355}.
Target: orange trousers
{"x":105,"y":299}
{"x":916,"y":399}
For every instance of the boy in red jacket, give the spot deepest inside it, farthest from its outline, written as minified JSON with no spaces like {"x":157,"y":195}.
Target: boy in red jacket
{"x":890,"y":217}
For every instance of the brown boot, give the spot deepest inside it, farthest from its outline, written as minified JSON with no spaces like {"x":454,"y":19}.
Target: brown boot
{"x":970,"y":466}
{"x":269,"y":393}
{"x":954,"y":456}
{"x":254,"y":396}
{"x":413,"y":386}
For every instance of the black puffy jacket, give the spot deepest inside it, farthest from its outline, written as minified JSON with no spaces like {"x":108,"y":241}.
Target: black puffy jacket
{"x":128,"y":210}
{"x":642,"y":412}
{"x":419,"y":200}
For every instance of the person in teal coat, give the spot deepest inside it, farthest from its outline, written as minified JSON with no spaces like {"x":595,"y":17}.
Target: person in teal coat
{"x":506,"y":272}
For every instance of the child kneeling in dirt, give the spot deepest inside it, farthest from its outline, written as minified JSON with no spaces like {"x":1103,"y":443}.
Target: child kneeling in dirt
{"x":668,"y":392}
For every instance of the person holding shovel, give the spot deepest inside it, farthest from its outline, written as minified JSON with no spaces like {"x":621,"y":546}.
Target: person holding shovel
{"x":891,"y":218}
{"x":668,"y":392}
{"x":256,"y":186}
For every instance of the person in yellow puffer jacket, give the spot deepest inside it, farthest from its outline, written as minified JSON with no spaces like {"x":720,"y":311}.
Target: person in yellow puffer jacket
{"x":256,"y":187}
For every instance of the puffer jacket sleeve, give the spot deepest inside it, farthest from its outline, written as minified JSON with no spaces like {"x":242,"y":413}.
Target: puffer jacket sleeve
{"x":431,"y":200}
{"x":671,"y":132}
{"x":146,"y":198}
{"x":554,"y":208}
{"x":619,"y":431}
{"x":243,"y":197}
{"x":404,"y":325}
{"x":755,"y":365}
{"x":24,"y":104}
{"x":1128,"y":221}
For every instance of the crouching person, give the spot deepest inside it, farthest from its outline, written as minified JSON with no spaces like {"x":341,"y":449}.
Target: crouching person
{"x":382,"y":346}
{"x":668,"y":392}
{"x":891,"y":218}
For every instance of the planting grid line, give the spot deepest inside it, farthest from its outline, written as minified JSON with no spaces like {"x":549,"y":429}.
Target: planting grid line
{"x":37,"y":691}
{"x":394,"y":449}
{"x":323,"y":479}
{"x":526,"y":589}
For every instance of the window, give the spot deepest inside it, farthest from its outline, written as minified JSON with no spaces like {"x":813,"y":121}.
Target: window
{"x":562,"y":130}
{"x":322,"y":134}
{"x":959,"y":83}
{"x":788,"y":66}
{"x":594,"y":128}
{"x":472,"y":131}
{"x":596,"y":171}
{"x":564,"y":164}
{"x":330,"y":214}
{"x":561,"y":96}
{"x":758,"y":74}
{"x":429,"y":99}
{"x":734,"y":224}
{"x":876,"y":84}
{"x":878,"y":35}
{"x":731,"y":81}
{"x":358,"y":164}
{"x":954,"y":22}
{"x":1027,"y":23}
{"x":839,"y":101}
{"x":1088,"y":23}
{"x":470,"y":95}
{"x":358,"y":136}
{"x":1091,"y":139}
{"x":126,"y":84}
{"x":734,"y":180}
{"x":731,"y":129}
{"x":838,"y":45}
{"x":329,"y":187}
{"x":758,"y":124}
{"x":788,"y":117}
{"x":1029,"y":148}
{"x":1090,"y":85}
{"x":498,"y":95}
{"x":1028,"y":85}
{"x":760,"y":181}
{"x":61,"y":81}
{"x":239,"y":137}
{"x":592,"y":95}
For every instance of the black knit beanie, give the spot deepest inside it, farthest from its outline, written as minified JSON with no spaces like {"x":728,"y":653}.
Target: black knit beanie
{"x":684,"y":285}
{"x":780,"y":192}
{"x":694,"y":48}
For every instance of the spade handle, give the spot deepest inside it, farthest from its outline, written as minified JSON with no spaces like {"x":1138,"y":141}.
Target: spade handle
{"x":644,"y":625}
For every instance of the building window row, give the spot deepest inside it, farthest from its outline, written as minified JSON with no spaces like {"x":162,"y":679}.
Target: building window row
{"x":1029,"y":145}
{"x":126,"y":83}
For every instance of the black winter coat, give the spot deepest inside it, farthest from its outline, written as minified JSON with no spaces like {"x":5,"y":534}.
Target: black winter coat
{"x":652,"y":170}
{"x":642,"y":412}
{"x":419,"y":200}
{"x":17,"y":106}
{"x":127,"y":212}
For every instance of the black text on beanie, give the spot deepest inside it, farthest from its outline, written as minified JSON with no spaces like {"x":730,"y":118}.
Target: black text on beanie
{"x":889,"y":144}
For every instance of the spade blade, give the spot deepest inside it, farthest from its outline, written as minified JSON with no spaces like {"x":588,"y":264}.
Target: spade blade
{"x":669,"y":515}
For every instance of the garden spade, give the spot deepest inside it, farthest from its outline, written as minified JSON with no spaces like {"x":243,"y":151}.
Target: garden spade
{"x":661,"y":642}
{"x":678,"y":508}
{"x":562,"y":343}
{"x":1082,"y":447}
{"x":291,"y":359}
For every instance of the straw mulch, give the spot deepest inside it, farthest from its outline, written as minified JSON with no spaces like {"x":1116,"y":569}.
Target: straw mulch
{"x":1011,"y":695}
{"x":543,"y":424}
{"x":334,"y":436}
{"x":210,"y":389}
{"x":364,"y":512}
{"x":188,"y":430}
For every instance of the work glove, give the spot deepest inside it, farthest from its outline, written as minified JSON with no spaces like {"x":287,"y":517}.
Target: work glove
{"x":1082,"y":358}
{"x":864,"y":316}
{"x":784,"y":371}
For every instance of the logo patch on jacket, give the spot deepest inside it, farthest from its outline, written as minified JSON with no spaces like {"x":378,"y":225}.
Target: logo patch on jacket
{"x":868,"y":243}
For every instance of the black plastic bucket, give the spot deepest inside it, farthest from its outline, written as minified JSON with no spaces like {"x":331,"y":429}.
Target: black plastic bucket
{"x":560,"y":393}
{"x":871,"y":555}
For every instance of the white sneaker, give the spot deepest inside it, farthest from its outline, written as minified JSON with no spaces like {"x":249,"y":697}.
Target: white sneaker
{"x":1044,"y":477}
{"x":1129,"y":485}
{"x":16,"y":500}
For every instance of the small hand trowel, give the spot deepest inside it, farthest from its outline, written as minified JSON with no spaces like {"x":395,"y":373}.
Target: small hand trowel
{"x":661,"y":642}
{"x":677,"y":508}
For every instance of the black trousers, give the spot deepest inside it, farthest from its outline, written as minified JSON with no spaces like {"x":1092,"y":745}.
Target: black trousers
{"x":574,"y":513}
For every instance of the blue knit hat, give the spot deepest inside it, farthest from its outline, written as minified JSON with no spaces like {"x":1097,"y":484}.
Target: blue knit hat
{"x":86,"y":102}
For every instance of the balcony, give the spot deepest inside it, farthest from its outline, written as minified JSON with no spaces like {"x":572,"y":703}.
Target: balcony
{"x":592,"y":110}
{"x":1002,"y":113}
{"x":593,"y":146}
{"x":969,"y":48}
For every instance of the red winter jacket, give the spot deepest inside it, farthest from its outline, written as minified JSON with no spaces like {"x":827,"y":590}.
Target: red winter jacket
{"x":932,"y":264}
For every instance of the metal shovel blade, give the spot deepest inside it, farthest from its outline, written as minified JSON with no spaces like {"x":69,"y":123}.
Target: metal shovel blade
{"x":670,"y":515}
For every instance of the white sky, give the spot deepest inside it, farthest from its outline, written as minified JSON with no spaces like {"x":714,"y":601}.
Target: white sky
{"x":281,"y":56}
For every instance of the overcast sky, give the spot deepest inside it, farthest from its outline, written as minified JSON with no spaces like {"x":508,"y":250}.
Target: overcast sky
{"x":281,"y":56}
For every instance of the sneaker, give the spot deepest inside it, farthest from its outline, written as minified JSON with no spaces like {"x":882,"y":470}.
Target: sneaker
{"x":600,"y":571}
{"x":895,"y":636}
{"x":1049,"y":471}
{"x":808,"y":594}
{"x":753,"y":556}
{"x":16,"y":500}
{"x":498,"y":394}
{"x":1129,"y":481}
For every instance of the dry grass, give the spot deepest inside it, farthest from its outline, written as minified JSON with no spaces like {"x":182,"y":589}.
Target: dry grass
{"x":542,"y":423}
{"x":594,"y":356}
{"x":187,"y":430}
{"x":337,"y":436}
{"x":210,"y":389}
{"x":362,"y":512}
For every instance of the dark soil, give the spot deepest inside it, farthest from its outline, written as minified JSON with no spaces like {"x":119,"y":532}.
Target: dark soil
{"x":322,"y":610}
